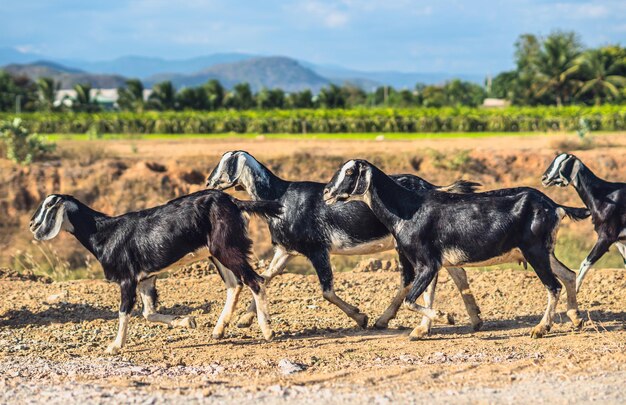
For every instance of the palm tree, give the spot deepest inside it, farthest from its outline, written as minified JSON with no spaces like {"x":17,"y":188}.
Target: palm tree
{"x":215,"y":94}
{"x":131,"y":96}
{"x":163,"y":96}
{"x":83,"y":100}
{"x":556,"y":65}
{"x":331,"y":97}
{"x":47,"y":89}
{"x":601,"y":70}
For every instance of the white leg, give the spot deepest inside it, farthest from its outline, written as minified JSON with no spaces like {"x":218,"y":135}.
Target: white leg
{"x":263,"y":313}
{"x":459,"y":277}
{"x":622,"y":250}
{"x":276,"y":267}
{"x":147,"y":291}
{"x":350,"y":310}
{"x":122,"y":330}
{"x":233,"y":288}
{"x":568,"y":278}
{"x":582,"y":271}
{"x":429,"y":297}
{"x":599,"y":249}
{"x":392,"y":310}
{"x":546,"y":322}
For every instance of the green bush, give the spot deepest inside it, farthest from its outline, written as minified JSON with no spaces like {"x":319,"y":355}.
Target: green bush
{"x":21,"y":146}
{"x":448,"y":119}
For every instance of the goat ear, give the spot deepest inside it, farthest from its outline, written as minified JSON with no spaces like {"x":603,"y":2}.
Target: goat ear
{"x":363,"y":181}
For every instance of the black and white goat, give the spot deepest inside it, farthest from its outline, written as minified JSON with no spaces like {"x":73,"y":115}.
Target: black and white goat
{"x":434,"y":229}
{"x":315,"y":230}
{"x":605,"y":200}
{"x":133,"y":247}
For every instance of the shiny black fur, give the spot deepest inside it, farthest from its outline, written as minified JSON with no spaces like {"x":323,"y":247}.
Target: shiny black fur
{"x":606,"y":201}
{"x":307,"y":224}
{"x":481,"y":226}
{"x":134,"y":245}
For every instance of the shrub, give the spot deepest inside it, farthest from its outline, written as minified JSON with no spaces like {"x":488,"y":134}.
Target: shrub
{"x":372,"y":120}
{"x":21,"y":146}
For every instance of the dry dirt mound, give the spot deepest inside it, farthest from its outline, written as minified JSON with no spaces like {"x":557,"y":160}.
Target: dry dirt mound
{"x":46,"y":348}
{"x":119,"y":184}
{"x":12,"y":275}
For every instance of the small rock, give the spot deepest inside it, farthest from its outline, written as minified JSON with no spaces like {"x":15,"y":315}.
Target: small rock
{"x":288,"y":367}
{"x":60,"y":298}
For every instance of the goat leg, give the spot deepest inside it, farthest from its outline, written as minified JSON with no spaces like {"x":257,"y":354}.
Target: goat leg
{"x":148,"y":293}
{"x":459,"y":277}
{"x":276,"y":267}
{"x":128,"y":290}
{"x":599,"y":249}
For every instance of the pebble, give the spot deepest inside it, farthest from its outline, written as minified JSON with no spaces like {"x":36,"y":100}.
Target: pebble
{"x":288,"y":367}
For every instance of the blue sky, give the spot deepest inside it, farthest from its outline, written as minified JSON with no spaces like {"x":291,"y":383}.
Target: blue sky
{"x":407,"y":35}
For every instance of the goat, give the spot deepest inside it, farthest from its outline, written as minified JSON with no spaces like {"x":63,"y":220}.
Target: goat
{"x":605,"y":200}
{"x":432,"y":229}
{"x":310,"y":228}
{"x":133,"y":247}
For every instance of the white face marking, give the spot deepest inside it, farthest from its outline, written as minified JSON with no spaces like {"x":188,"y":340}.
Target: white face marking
{"x":61,"y":221}
{"x":219,"y":172}
{"x":250,"y":173}
{"x":342,"y":174}
{"x":556,"y":163}
{"x":43,"y":210}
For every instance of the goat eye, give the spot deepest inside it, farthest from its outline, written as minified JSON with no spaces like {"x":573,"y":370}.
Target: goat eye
{"x":349,"y":172}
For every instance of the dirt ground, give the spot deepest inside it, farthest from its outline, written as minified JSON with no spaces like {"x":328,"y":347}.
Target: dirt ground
{"x":53,"y":334}
{"x":54,"y":352}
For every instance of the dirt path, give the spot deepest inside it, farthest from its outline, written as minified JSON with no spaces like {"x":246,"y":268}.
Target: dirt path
{"x":55,"y":351}
{"x":272,"y":147}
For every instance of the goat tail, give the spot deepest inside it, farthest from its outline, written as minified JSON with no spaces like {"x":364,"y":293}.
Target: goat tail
{"x":460,"y":187}
{"x":576,"y":214}
{"x":265,"y":209}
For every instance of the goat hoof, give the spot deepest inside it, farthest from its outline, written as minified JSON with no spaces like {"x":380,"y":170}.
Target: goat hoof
{"x":577,"y":321}
{"x":444,"y":318}
{"x":419,"y":333}
{"x":112,"y":349}
{"x":269,"y":336}
{"x":476,"y":326}
{"x":361,"y":320}
{"x":539,"y":331}
{"x":245,"y":320}
{"x":186,"y":322}
{"x":578,"y":324}
{"x":381,"y":324}
{"x":217,"y":333}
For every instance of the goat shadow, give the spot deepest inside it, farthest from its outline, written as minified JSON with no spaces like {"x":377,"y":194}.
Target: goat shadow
{"x":80,"y":312}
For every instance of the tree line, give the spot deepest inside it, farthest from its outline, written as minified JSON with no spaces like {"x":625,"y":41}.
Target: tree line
{"x":555,"y":70}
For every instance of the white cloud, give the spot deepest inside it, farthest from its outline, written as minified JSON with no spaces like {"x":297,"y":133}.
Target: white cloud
{"x":329,"y":14}
{"x":581,"y":11}
{"x":28,"y":48}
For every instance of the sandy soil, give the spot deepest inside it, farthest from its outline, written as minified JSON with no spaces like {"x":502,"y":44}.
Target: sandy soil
{"x":53,"y":335}
{"x":54,"y":351}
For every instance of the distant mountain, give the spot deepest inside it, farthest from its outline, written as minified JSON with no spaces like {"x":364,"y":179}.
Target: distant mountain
{"x":231,"y":68}
{"x":270,"y":72}
{"x":68,"y":77}
{"x":392,"y":78}
{"x":143,"y":67}
{"x":11,"y":55}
